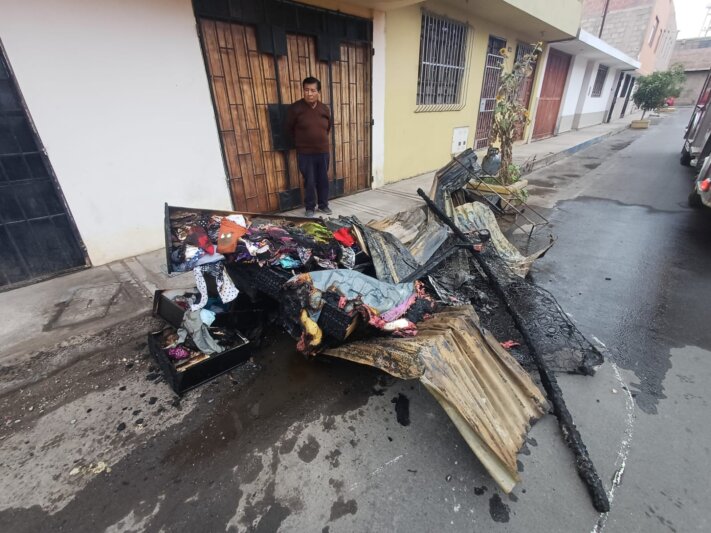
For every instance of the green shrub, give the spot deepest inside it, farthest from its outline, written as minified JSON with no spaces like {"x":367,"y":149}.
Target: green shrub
{"x":654,"y":89}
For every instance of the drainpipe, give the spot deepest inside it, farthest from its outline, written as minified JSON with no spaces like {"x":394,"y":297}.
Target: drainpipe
{"x":604,"y":16}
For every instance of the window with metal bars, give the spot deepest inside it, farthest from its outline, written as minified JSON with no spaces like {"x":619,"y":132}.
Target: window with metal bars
{"x":599,"y":81}
{"x":444,"y":64}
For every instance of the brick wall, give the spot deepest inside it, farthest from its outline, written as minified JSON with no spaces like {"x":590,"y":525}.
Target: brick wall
{"x":692,"y":87}
{"x":694,"y":54}
{"x":625,"y":29}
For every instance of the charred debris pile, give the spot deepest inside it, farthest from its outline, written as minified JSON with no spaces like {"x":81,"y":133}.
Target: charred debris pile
{"x":407,"y":294}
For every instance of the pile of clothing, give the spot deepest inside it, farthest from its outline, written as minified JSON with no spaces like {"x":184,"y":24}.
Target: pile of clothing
{"x":390,"y":308}
{"x":313,"y":263}
{"x":199,"y":239}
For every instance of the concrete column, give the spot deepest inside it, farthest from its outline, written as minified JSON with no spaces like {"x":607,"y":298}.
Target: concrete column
{"x":584,"y":93}
{"x":378,"y":95}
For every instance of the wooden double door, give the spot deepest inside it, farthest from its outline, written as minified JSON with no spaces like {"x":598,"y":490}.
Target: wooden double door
{"x":246,"y":83}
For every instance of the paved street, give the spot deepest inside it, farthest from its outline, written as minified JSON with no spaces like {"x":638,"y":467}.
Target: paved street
{"x":294,"y":445}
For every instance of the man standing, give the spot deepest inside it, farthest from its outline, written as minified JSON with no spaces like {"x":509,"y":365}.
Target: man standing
{"x":309,"y":123}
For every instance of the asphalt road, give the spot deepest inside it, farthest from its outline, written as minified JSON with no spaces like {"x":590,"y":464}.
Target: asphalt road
{"x":294,"y":445}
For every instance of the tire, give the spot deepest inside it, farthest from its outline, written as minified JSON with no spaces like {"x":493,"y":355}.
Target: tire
{"x":685,"y":159}
{"x":695,"y":199}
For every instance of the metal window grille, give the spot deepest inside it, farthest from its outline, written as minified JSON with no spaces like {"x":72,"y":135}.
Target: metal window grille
{"x":489,"y":88}
{"x":444,"y":64}
{"x":599,"y":80}
{"x":525,"y":86}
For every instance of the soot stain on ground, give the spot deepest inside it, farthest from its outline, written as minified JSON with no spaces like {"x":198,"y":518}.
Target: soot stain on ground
{"x":402,"y":409}
{"x":333,"y":458}
{"x":309,"y":450}
{"x":498,"y":510}
{"x":342,"y":508}
{"x":273,"y":518}
{"x":288,"y":444}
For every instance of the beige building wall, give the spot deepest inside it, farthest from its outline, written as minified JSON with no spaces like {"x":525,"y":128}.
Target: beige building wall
{"x":418,"y":142}
{"x":655,"y":55}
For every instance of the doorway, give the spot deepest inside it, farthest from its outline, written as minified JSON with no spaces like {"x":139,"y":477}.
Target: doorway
{"x":38,"y":238}
{"x":255,"y":71}
{"x":526,"y":88}
{"x":551,"y":94}
{"x":487,"y":102}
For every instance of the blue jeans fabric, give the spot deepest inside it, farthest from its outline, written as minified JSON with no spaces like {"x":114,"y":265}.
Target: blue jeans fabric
{"x":314,"y":169}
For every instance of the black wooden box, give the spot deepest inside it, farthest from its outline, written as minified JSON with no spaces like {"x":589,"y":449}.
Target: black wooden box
{"x":183,"y":380}
{"x":198,"y":373}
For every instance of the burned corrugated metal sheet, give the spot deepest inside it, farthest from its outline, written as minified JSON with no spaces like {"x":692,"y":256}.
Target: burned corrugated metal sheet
{"x":392,"y":261}
{"x":475,"y":216}
{"x":417,"y":229}
{"x":485,"y":392}
{"x":453,"y":176}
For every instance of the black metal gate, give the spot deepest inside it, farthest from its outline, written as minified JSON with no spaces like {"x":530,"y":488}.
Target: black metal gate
{"x":487,"y":103}
{"x":37,"y":234}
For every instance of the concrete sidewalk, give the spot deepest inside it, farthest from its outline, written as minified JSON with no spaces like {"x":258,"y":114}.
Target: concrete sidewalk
{"x":72,"y":311}
{"x":545,"y":152}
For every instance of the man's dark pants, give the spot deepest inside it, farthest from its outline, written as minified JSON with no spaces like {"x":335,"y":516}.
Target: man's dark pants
{"x":314,"y":169}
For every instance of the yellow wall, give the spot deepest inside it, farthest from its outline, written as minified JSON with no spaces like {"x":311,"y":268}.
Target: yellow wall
{"x":343,"y":7}
{"x":561,"y":14}
{"x":416,"y":143}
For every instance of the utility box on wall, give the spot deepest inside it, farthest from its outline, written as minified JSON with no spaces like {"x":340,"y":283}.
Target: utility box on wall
{"x":459,"y":139}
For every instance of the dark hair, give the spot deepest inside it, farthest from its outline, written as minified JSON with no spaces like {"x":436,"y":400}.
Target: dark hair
{"x":310,"y":81}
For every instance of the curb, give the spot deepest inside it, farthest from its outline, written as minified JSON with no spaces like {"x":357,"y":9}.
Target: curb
{"x":554,"y":158}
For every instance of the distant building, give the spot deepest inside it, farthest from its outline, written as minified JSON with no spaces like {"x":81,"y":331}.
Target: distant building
{"x":695,"y":55}
{"x":642,"y":29}
{"x":596,"y":85}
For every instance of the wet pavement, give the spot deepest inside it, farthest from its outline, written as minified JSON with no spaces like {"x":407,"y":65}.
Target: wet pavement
{"x":290,"y":444}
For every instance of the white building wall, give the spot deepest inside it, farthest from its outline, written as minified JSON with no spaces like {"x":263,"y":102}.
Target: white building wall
{"x":597,"y":105}
{"x":119,"y":94}
{"x":572,"y":93}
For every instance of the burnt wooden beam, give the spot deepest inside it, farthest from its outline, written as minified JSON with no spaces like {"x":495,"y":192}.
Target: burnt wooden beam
{"x":584,"y":465}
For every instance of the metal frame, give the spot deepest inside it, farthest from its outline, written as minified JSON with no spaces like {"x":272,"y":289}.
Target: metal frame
{"x":490,"y":84}
{"x":599,"y":83}
{"x":518,"y":211}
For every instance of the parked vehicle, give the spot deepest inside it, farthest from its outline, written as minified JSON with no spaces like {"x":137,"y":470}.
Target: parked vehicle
{"x":701,"y":193}
{"x":697,"y":141}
